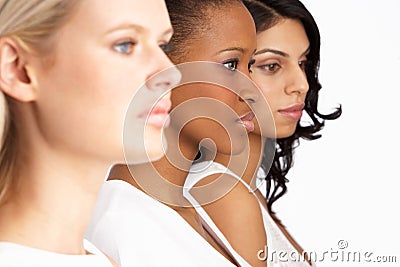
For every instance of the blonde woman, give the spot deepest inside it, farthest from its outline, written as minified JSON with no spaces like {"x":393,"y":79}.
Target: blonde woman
{"x":68,"y":70}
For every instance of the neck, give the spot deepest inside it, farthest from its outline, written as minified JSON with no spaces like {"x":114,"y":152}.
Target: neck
{"x":52,"y":203}
{"x":246,"y":163}
{"x":162,"y":179}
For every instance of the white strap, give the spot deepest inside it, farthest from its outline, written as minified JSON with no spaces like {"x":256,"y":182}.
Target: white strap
{"x":208,"y":223}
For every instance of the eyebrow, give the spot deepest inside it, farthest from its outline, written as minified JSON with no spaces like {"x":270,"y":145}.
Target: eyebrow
{"x":125,"y":26}
{"x":279,"y":53}
{"x":273,"y":51}
{"x":240,"y":49}
{"x":139,"y":28}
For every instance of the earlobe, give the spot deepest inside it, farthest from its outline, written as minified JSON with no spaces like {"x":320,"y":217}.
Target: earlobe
{"x":14,"y":78}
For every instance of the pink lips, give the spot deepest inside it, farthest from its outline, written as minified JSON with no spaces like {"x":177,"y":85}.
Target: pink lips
{"x":158,"y":116}
{"x":247,"y":121}
{"x":293,"y":112}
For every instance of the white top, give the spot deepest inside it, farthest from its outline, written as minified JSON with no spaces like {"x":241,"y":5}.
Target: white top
{"x":280,"y":251}
{"x":136,"y":230}
{"x":14,"y":255}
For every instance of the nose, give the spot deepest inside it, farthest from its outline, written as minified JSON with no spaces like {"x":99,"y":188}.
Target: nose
{"x":297,"y":82}
{"x":166,"y":76}
{"x":249,"y":96}
{"x":164,"y":80}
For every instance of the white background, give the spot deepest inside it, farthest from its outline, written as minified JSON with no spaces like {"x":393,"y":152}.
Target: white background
{"x":345,"y":186}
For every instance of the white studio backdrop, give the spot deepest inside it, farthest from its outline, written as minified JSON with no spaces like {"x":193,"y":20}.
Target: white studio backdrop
{"x":344,"y":192}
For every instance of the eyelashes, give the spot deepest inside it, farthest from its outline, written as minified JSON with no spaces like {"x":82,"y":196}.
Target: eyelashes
{"x":274,"y":67}
{"x":305,"y":64}
{"x":167,"y":47}
{"x":271,"y":68}
{"x":251,"y":63}
{"x":233,"y":64}
{"x":125,"y":47}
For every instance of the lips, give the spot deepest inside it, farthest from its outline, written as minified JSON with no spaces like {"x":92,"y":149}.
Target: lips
{"x":158,"y":116}
{"x":247,"y":121}
{"x":293,"y":112}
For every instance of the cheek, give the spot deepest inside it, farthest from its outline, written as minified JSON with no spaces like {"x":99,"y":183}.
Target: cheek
{"x":181,"y":94}
{"x":99,"y":75}
{"x":104,"y":94}
{"x":230,"y":99}
{"x":226,"y":103}
{"x":227,"y":139}
{"x":285,"y":130}
{"x":272,"y":91}
{"x":94,"y":101}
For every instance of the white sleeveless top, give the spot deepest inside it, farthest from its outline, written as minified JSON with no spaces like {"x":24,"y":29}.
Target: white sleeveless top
{"x":15,"y":255}
{"x":280,"y":251}
{"x":134,"y":229}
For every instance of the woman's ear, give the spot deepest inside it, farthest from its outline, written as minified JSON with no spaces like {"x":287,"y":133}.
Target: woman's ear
{"x":14,"y":77}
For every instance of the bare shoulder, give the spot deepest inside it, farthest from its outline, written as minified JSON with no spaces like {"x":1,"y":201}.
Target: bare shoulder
{"x":237,"y":213}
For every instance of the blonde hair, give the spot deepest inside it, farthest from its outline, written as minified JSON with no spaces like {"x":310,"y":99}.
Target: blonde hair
{"x":32,"y":24}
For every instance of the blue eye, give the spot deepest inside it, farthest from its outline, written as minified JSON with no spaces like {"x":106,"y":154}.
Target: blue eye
{"x":167,"y":47}
{"x":231,"y":64}
{"x":125,"y":47}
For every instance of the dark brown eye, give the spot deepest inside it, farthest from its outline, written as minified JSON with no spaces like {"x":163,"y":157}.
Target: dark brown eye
{"x":273,"y":67}
{"x":231,"y":64}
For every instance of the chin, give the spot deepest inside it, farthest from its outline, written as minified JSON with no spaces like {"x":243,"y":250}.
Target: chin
{"x":144,"y":155}
{"x":233,"y":150}
{"x":153,"y":155}
{"x":153,"y":148}
{"x":285,"y":132}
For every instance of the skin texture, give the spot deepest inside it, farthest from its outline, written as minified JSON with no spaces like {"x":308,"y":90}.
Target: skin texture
{"x":70,"y":107}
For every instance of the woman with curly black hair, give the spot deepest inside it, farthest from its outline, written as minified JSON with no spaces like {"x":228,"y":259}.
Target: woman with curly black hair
{"x":276,"y":55}
{"x":272,"y":67}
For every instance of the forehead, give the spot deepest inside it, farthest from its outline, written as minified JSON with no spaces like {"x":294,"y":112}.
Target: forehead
{"x":101,"y":15}
{"x":227,"y":26}
{"x":232,"y":15}
{"x":287,"y":35}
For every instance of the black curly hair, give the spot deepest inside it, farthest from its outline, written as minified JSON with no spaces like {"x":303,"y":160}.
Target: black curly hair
{"x":266,"y":13}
